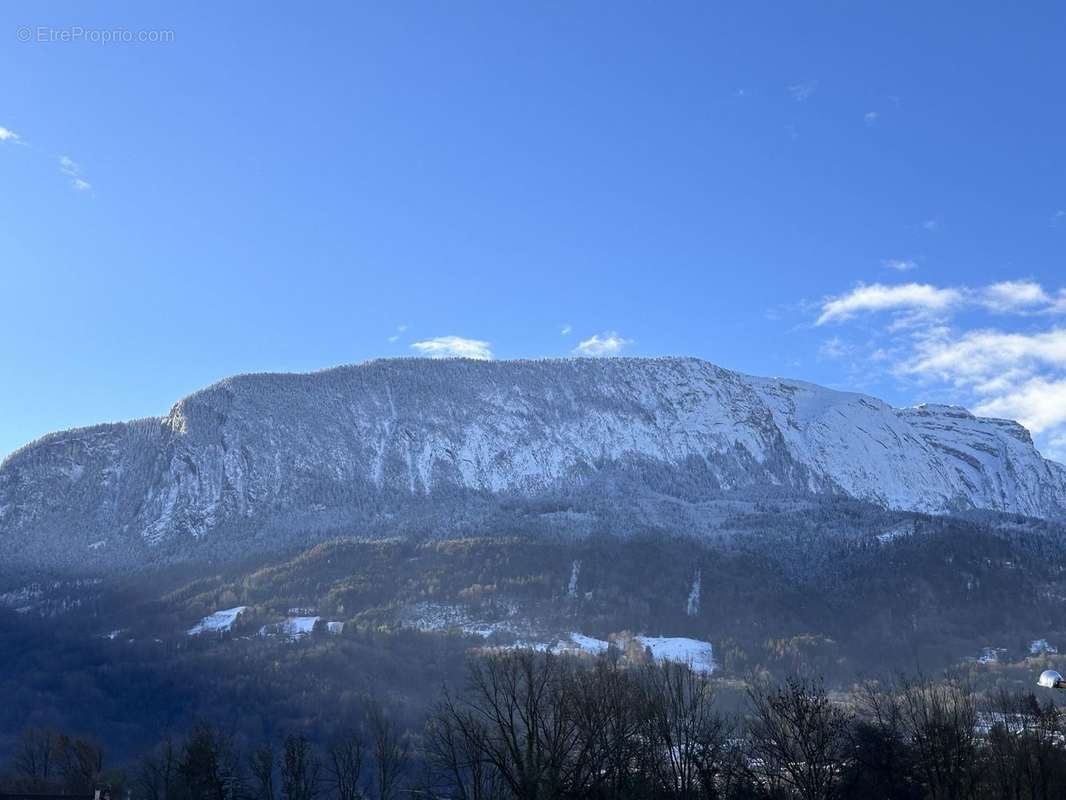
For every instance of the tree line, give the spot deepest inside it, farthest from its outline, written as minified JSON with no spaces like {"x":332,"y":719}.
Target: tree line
{"x":539,"y":726}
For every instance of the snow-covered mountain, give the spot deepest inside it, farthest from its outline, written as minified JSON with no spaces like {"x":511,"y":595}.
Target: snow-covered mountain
{"x":358,"y":442}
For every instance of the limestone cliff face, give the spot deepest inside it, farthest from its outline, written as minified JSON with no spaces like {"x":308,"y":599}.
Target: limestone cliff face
{"x":369,"y":437}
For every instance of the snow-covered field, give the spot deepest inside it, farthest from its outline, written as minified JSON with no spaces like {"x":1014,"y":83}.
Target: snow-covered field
{"x":441,"y":617}
{"x":217,"y":622}
{"x":589,"y":645}
{"x":698,"y":655}
{"x":290,"y":627}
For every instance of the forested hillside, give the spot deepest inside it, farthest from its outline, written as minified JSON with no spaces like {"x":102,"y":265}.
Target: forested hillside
{"x":301,"y":641}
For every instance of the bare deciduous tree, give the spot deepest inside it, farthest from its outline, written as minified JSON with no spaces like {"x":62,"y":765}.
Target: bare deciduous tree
{"x":35,"y":756}
{"x":687,"y":733}
{"x":940,"y":719}
{"x":156,"y":777}
{"x":455,"y":752}
{"x":391,"y":754}
{"x":346,"y":755}
{"x":300,"y":769}
{"x":262,"y":764}
{"x":798,"y":737}
{"x":80,"y":764}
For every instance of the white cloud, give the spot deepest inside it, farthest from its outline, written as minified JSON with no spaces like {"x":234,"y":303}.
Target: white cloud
{"x":900,"y":264}
{"x":401,"y":328}
{"x":986,"y":359}
{"x":1024,"y":297}
{"x":1039,"y":404}
{"x":1014,"y":296}
{"x":801,"y":92}
{"x":870,"y":118}
{"x":8,"y":135}
{"x":454,"y":347}
{"x":565,"y":330}
{"x":931,"y":225}
{"x":1017,"y":374}
{"x":1056,"y":447}
{"x":878,"y":297}
{"x":606,"y":344}
{"x":394,"y":338}
{"x":72,"y":170}
{"x":834,"y":347}
{"x":1058,"y":304}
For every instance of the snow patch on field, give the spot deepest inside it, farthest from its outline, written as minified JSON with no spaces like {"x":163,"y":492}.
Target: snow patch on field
{"x":698,"y":655}
{"x":431,"y":617}
{"x":291,"y":627}
{"x":1039,"y":646}
{"x":589,"y":645}
{"x":218,"y":621}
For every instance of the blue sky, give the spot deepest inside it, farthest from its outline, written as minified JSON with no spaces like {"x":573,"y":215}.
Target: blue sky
{"x":869,"y":198}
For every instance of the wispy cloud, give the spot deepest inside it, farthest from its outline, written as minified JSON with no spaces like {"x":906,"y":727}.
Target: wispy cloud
{"x":900,"y":264}
{"x":565,"y":330}
{"x":8,"y":135}
{"x":834,"y":347}
{"x":870,"y":118}
{"x":801,"y":92}
{"x":878,"y":297}
{"x":72,"y":170}
{"x":454,"y":347}
{"x":1006,"y":297}
{"x":602,"y":344}
{"x":931,"y":225}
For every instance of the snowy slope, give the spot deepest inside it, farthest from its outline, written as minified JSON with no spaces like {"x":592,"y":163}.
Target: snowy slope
{"x":304,"y":450}
{"x":217,"y":622}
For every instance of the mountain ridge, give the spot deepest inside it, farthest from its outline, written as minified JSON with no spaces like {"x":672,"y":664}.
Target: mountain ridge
{"x":360,"y":441}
